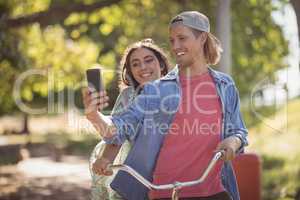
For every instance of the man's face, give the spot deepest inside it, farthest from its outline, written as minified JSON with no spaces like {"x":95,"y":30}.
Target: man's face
{"x":185,"y":46}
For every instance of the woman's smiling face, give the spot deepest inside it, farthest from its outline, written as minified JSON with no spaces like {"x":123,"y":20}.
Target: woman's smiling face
{"x":144,"y":65}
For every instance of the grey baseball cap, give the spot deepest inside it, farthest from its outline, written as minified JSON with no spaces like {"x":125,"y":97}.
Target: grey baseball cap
{"x":192,"y":19}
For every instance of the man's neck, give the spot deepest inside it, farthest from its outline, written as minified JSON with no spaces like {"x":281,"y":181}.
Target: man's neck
{"x":195,"y":69}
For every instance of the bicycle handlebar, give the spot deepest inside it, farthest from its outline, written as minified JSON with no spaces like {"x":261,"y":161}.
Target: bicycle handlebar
{"x":176,"y":185}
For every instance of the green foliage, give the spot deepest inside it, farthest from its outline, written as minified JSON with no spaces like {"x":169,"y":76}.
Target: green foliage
{"x":62,"y":62}
{"x":258,"y":44}
{"x":12,"y":62}
{"x":64,"y":50}
{"x":249,"y":114}
{"x":63,"y":59}
{"x":25,"y":7}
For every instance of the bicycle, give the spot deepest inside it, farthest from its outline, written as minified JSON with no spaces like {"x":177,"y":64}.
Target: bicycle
{"x":176,"y":186}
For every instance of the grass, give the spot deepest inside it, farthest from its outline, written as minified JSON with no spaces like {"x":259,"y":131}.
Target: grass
{"x":276,"y":141}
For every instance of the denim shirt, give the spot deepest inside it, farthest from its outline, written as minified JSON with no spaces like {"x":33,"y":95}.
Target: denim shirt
{"x":147,"y":120}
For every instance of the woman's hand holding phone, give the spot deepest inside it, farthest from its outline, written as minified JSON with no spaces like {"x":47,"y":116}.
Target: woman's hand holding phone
{"x":93,"y":102}
{"x":94,"y":97}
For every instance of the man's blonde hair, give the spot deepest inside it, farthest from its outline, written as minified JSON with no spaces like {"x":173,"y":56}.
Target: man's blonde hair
{"x":212,"y":47}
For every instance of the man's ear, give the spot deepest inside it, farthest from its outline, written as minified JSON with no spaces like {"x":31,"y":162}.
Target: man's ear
{"x":203,"y":37}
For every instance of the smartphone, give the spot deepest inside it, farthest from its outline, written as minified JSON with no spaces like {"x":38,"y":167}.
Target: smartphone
{"x":94,"y":79}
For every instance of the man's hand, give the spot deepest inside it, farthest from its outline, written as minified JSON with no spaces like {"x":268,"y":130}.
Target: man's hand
{"x":230,"y":145}
{"x":100,"y":167}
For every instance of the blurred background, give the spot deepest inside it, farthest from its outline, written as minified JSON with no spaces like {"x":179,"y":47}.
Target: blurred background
{"x":46,"y":46}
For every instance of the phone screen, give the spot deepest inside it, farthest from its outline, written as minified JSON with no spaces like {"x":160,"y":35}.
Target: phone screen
{"x":94,"y":79}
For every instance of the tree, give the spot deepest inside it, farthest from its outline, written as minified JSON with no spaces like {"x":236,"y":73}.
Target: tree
{"x":93,"y":31}
{"x":296,"y":6}
{"x":55,"y":14}
{"x":258,"y":44}
{"x":29,"y":46}
{"x":223,"y":29}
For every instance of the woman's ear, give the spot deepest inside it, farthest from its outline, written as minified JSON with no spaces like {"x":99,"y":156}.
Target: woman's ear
{"x":161,"y":65}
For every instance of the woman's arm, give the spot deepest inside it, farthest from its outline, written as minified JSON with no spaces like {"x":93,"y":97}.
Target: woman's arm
{"x":93,"y":102}
{"x":108,"y":156}
{"x":110,"y":150}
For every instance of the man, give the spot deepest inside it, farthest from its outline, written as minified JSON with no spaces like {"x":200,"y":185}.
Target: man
{"x":180,"y":120}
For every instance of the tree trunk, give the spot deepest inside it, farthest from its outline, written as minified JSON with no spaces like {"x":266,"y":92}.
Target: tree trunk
{"x":223,"y":30}
{"x":25,"y":130}
{"x":296,"y":6}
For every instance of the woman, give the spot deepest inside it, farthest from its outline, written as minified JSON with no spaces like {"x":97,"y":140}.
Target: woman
{"x":142,"y":62}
